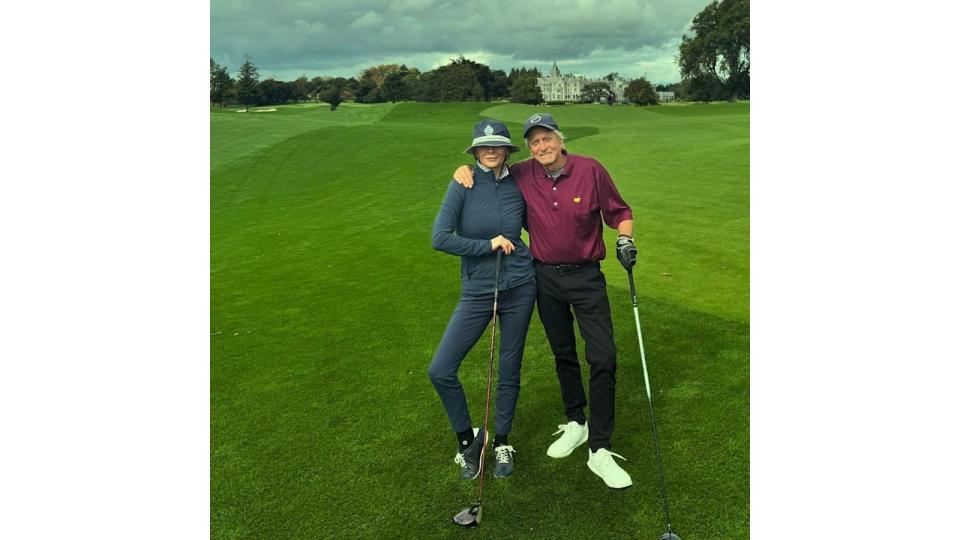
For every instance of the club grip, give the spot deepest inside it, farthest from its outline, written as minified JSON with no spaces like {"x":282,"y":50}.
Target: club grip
{"x":633,"y":288}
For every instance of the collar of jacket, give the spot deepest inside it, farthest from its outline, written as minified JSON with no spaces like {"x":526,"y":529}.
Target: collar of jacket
{"x":504,"y":170}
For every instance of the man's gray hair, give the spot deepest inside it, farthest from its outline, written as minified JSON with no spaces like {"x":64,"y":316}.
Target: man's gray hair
{"x":559,"y":133}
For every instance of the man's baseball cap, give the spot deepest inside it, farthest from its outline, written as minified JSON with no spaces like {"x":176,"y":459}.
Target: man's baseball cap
{"x":539,"y":120}
{"x":491,"y":133}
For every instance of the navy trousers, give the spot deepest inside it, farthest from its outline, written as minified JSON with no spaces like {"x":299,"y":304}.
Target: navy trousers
{"x":467,"y":324}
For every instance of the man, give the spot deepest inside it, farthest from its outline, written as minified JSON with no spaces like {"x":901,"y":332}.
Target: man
{"x":567,"y":195}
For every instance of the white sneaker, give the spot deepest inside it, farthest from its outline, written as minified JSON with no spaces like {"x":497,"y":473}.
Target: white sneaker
{"x":573,"y":436}
{"x":603,"y":465}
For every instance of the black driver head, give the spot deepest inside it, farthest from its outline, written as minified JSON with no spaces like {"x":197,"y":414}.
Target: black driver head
{"x":469,"y":517}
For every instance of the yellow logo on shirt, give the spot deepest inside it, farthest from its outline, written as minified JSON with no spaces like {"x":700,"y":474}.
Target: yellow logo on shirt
{"x":576,"y":200}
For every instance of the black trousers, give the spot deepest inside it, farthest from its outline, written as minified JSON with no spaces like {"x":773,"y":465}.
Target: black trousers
{"x":584,"y":289}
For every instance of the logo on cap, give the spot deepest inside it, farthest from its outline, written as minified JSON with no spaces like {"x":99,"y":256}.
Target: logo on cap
{"x":488,"y":130}
{"x":534,"y":118}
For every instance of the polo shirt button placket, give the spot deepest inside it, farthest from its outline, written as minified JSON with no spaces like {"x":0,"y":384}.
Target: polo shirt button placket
{"x":554,"y":189}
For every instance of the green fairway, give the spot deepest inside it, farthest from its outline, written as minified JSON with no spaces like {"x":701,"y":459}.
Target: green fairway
{"x":327,"y":303}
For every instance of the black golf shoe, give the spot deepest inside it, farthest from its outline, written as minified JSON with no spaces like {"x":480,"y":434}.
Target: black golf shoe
{"x":503,"y":461}
{"x":469,"y":459}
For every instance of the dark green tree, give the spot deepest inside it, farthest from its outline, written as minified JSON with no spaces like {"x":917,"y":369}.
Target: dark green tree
{"x":393,"y":88}
{"x":597,"y":91}
{"x":316,"y":86}
{"x":411,"y":83}
{"x":248,"y":91}
{"x":718,"y":51}
{"x":366,"y":91}
{"x":524,"y":89}
{"x":641,"y":92}
{"x":500,"y":87}
{"x":220,"y":83}
{"x":301,"y":89}
{"x":428,"y":87}
{"x":482,"y":74}
{"x":456,"y":81}
{"x":333,"y":94}
{"x":275,"y":92}
{"x":706,"y":88}
{"x":523,"y":72}
{"x":351,"y":89}
{"x":371,"y":81}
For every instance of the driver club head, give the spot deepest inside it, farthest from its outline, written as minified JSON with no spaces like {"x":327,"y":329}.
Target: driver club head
{"x":669,"y":536}
{"x":469,"y":517}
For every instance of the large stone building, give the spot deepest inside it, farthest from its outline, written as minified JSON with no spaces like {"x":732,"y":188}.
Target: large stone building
{"x":557,"y":87}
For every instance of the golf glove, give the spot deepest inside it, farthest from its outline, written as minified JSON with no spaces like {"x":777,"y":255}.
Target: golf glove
{"x":626,"y":252}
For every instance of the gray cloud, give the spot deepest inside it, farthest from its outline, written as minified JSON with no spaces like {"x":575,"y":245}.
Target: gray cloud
{"x":342,"y":37}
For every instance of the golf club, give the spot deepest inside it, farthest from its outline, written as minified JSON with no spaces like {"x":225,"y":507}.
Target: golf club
{"x":669,"y":535}
{"x":471,"y":515}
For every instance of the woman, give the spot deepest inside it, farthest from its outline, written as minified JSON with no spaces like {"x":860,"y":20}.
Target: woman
{"x":475,"y":224}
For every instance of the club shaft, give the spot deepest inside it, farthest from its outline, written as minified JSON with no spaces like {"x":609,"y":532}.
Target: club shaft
{"x":486,"y":408}
{"x":493,"y":347}
{"x":653,"y":420}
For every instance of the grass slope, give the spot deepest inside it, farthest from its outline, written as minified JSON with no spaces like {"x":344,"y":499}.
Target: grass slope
{"x":328,"y":303}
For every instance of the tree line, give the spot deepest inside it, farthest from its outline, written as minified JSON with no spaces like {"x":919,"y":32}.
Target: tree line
{"x":460,"y":80}
{"x":714,"y":65}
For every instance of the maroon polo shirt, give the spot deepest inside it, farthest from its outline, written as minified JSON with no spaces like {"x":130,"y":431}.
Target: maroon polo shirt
{"x":563,"y":217}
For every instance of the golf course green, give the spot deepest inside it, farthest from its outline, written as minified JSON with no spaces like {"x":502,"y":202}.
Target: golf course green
{"x":328,"y":302}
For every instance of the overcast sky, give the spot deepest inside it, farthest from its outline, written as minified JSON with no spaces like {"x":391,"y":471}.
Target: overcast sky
{"x":289,"y":38}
